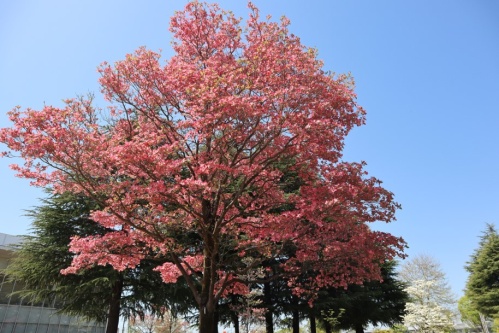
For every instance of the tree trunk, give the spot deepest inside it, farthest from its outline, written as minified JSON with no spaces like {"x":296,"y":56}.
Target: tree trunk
{"x":207,"y":322}
{"x":359,"y":329}
{"x":296,"y":321}
{"x":327,"y":327}
{"x":269,"y":322}
{"x":113,"y":315}
{"x":207,"y":303}
{"x":235,"y":322}
{"x":311,"y":317}
{"x":215,"y":321}
{"x":269,"y":317}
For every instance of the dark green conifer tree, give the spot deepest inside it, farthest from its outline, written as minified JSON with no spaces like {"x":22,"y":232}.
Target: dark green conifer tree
{"x":482,"y":287}
{"x":99,"y":293}
{"x":374,"y":302}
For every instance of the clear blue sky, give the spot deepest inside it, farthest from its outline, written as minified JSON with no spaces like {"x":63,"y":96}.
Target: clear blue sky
{"x":426,"y":71}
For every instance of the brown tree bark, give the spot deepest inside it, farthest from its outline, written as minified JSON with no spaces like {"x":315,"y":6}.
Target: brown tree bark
{"x":207,"y":322}
{"x":113,"y":316}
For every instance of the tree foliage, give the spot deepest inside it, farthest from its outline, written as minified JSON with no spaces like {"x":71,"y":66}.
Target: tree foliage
{"x":197,"y":145}
{"x":469,"y":314}
{"x":430,"y":307}
{"x":482,"y":287}
{"x":372,"y":303}
{"x":166,"y":323}
{"x":424,"y":315}
{"x":91,"y":292}
{"x":426,"y":268}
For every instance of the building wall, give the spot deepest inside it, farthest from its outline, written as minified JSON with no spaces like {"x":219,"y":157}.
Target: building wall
{"x":20,"y":316}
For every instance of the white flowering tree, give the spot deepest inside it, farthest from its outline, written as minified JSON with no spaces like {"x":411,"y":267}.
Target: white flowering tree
{"x":426,"y":268}
{"x":168,"y":323}
{"x":423,"y":314}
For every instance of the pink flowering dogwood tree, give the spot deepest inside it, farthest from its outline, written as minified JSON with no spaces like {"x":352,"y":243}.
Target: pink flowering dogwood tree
{"x":196,"y":146}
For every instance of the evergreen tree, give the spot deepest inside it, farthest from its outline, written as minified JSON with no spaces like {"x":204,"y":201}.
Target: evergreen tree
{"x":100,"y":293}
{"x":482,"y":286}
{"x":469,"y":314}
{"x":373,"y":302}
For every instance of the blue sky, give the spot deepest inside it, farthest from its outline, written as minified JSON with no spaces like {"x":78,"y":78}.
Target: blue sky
{"x":426,"y":72}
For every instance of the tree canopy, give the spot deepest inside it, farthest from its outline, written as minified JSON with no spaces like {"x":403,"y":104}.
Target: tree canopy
{"x":469,"y":314}
{"x":482,"y":287}
{"x":372,"y":303}
{"x":100,"y":293}
{"x":198,"y":145}
{"x":424,"y":267}
{"x":431,"y":301}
